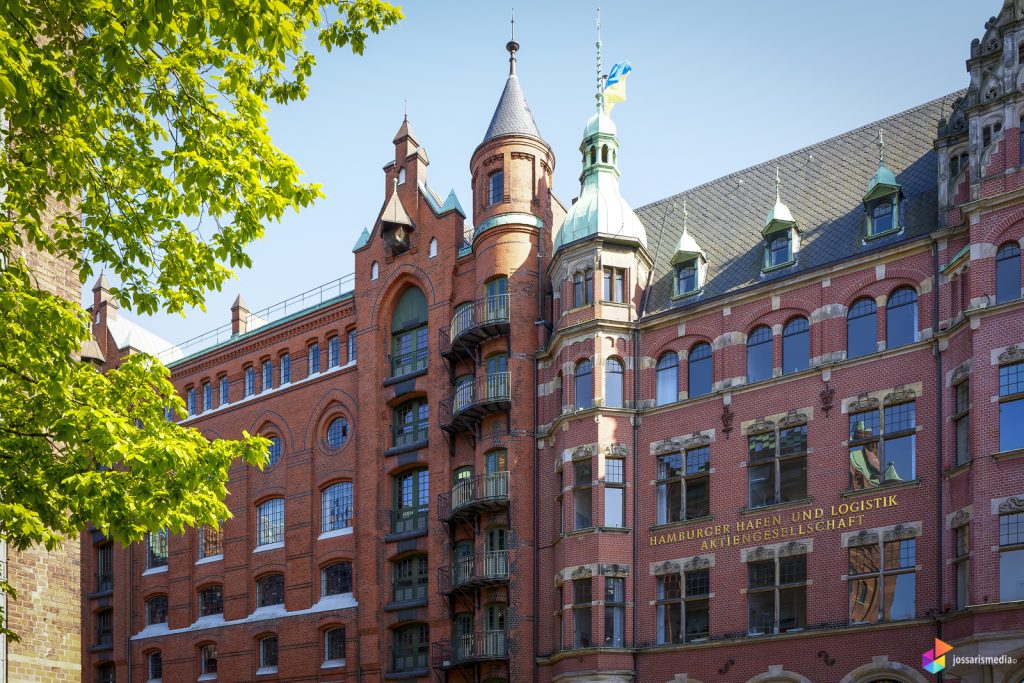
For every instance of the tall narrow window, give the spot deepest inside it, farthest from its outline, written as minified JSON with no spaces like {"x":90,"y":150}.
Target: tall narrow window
{"x":336,"y":579}
{"x":224,"y":390}
{"x":686,"y":277}
{"x":211,"y":541}
{"x":333,"y":352}
{"x":882,"y":581}
{"x":883,"y":452}
{"x":270,"y":522}
{"x":313,"y":359}
{"x":334,"y":646}
{"x":352,"y":346}
{"x":698,"y":371}
{"x":759,"y":354}
{"x":207,"y":396}
{"x":614,"y":611}
{"x":497,"y":377}
{"x":249,"y":381}
{"x":667,"y":379}
{"x":190,"y":401}
{"x":274,"y":452}
{"x":411,"y":498}
{"x":155,"y":666}
{"x":901,"y":318}
{"x":105,"y":627}
{"x":156,"y":549}
{"x":211,"y":601}
{"x":1007,"y":273}
{"x":268,"y":654}
{"x":582,"y":494}
{"x":409,"y":333}
{"x":410,"y":647}
{"x":156,"y":610}
{"x":105,"y":568}
{"x":582,"y":600}
{"x":861,"y":328}
{"x":374,"y":271}
{"x":432,"y":248}
{"x":336,"y":507}
{"x":583,"y":381}
{"x":268,"y":375}
{"x":796,"y":346}
{"x":583,"y":288}
{"x":961,"y":564}
{"x":962,"y":421}
{"x":105,"y":673}
{"x":208,"y":660}
{"x":614,"y":493}
{"x":411,"y":420}
{"x":682,"y":607}
{"x":1011,"y":556}
{"x":777,"y":594}
{"x":683,"y":485}
{"x":409,"y":578}
{"x":286,"y":368}
{"x":779,"y":249}
{"x":615,"y":285}
{"x":495,"y":188}
{"x":1011,"y":407}
{"x":613,"y":381}
{"x":777,"y":466}
{"x":270,"y":591}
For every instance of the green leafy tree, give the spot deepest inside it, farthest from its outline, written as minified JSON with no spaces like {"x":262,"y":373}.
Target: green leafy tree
{"x":134,"y":138}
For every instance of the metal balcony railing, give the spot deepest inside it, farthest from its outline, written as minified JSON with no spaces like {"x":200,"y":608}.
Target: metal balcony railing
{"x":407,"y":363}
{"x":468,"y":648}
{"x":474,"y":399}
{"x":482,"y":492}
{"x":473,"y":323}
{"x":407,"y":519}
{"x":410,"y":433}
{"x":482,"y":568}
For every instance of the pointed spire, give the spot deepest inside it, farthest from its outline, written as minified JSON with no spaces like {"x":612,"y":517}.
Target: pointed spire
{"x":778,"y":186}
{"x":512,"y":46}
{"x":394,"y":213}
{"x":687,"y":247}
{"x":883,"y":182}
{"x":779,"y":213}
{"x":512,"y":115}
{"x":405,"y":130}
{"x":101,"y":282}
{"x":686,"y":217}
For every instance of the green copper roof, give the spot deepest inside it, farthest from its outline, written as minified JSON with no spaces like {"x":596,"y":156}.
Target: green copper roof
{"x":882,"y":183}
{"x":364,"y":239}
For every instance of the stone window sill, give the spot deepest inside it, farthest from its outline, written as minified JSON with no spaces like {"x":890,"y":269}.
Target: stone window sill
{"x":267,"y":546}
{"x":334,"y":533}
{"x":1009,"y":455}
{"x":958,"y":469}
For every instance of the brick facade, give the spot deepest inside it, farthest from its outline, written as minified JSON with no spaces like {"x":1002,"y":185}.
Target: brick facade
{"x":545,"y":562}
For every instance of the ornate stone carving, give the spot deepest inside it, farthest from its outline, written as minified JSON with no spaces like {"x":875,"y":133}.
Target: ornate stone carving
{"x":727,"y":418}
{"x":827,"y":396}
{"x":961,"y":518}
{"x":612,"y":570}
{"x":900,"y":532}
{"x":582,"y":453}
{"x":666,"y":567}
{"x":1012,"y":354}
{"x":899,"y":395}
{"x":698,"y":562}
{"x":960,"y":374}
{"x":792,"y":419}
{"x":666,"y":446}
{"x":793,"y":548}
{"x":760,"y":553}
{"x":583,"y":572}
{"x":696,"y":440}
{"x":863,"y":402}
{"x":863,"y":537}
{"x":761,"y":425}
{"x":1011,"y":505}
{"x":615,"y":450}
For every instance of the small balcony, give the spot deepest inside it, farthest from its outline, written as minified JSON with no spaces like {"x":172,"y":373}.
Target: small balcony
{"x":482,"y":493}
{"x":474,"y":323}
{"x":482,"y":568}
{"x":475,"y":399}
{"x":469,"y":648}
{"x":407,"y":520}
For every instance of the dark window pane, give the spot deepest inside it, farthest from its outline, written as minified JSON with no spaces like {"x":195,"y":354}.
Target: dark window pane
{"x":898,"y":592}
{"x":667,"y":379}
{"x":899,"y":459}
{"x":901,"y":318}
{"x":792,"y":569}
{"x":613,"y":383}
{"x":778,"y":249}
{"x":762,"y":611}
{"x":699,"y":371}
{"x":792,"y":479}
{"x":861,"y":329}
{"x":1011,"y":529}
{"x":761,"y":446}
{"x":697,"y":583}
{"x":670,"y":502}
{"x":1011,"y":575}
{"x":796,"y":346}
{"x":793,"y":440}
{"x":759,"y":354}
{"x":584,"y":385}
{"x":761,"y":574}
{"x":686,"y":278}
{"x":495,"y":187}
{"x":762,"y":484}
{"x":670,"y":623}
{"x":792,"y":609}
{"x":697,"y":622}
{"x":697,"y":504}
{"x":864,"y":600}
{"x":1007,"y":273}
{"x":670,"y":465}
{"x":669,"y":587}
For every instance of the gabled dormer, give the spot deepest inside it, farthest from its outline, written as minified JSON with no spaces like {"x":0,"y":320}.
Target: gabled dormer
{"x":689,"y":263}
{"x":882,"y":202}
{"x":395,"y":225}
{"x":781,"y":233}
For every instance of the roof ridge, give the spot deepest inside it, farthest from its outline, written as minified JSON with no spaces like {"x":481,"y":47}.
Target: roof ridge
{"x":805,"y":148}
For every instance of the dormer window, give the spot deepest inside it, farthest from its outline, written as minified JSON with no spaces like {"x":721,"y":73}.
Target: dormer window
{"x":778,"y":250}
{"x":690,"y":261}
{"x":495,"y":188}
{"x":882,"y":199}
{"x":686,"y":277}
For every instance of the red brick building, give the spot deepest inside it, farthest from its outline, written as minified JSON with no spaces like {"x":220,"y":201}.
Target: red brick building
{"x":768,"y":429}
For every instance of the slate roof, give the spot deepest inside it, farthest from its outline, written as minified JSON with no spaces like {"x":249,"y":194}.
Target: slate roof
{"x":822,"y":184}
{"x":512,"y":115}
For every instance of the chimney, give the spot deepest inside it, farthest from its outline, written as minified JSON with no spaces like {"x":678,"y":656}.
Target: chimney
{"x":239,"y":316}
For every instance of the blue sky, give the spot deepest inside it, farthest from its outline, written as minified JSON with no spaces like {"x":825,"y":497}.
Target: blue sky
{"x":716,"y":87}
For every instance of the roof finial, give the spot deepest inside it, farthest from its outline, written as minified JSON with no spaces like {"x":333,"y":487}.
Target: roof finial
{"x":686,"y":217}
{"x":405,"y":110}
{"x":600,"y":77}
{"x":512,"y":46}
{"x":881,"y":148}
{"x":778,"y":186}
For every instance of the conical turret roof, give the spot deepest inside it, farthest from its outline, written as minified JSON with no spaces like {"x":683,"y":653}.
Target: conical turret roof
{"x":512,"y":115}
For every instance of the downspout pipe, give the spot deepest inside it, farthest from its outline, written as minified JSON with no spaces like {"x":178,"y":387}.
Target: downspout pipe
{"x":636,"y":446}
{"x":540,"y":323}
{"x":939,"y":391}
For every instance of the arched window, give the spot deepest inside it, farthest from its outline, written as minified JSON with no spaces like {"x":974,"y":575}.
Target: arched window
{"x":432,"y":250}
{"x":274,"y":452}
{"x":401,"y":176}
{"x":667,"y":379}
{"x":698,"y":370}
{"x":584,"y":385}
{"x":901,"y":318}
{"x":686,"y":277}
{"x":409,"y":333}
{"x":613,"y":383}
{"x":374,"y":271}
{"x":861,"y":328}
{"x":495,"y":187}
{"x":759,"y":354}
{"x":410,"y":647}
{"x":497,"y":302}
{"x":593,"y":155}
{"x":334,"y":647}
{"x":411,"y":495}
{"x":1007,"y":273}
{"x":268,"y":654}
{"x":336,"y":507}
{"x":270,"y":522}
{"x":208,"y":660}
{"x":155,"y":666}
{"x":336,"y":579}
{"x":796,"y":346}
{"x":156,"y":610}
{"x":604,"y":154}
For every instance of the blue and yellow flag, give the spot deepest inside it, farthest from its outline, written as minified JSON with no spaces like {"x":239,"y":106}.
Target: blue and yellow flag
{"x":615,"y":86}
